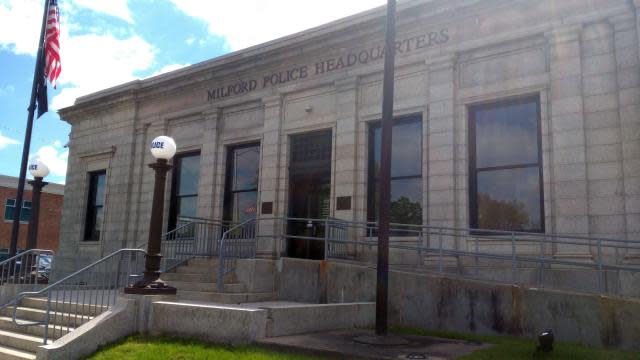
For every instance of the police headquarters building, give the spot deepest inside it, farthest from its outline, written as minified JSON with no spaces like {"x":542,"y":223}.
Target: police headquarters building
{"x":509,"y":114}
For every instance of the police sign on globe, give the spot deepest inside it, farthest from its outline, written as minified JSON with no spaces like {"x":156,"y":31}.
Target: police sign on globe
{"x":163,"y":147}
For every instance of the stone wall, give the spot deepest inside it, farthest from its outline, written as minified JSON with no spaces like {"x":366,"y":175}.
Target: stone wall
{"x":453,"y":304}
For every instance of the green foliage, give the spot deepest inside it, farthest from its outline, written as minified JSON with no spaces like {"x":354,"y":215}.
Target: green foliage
{"x":501,"y":215}
{"x":403,"y":211}
{"x":167,"y":348}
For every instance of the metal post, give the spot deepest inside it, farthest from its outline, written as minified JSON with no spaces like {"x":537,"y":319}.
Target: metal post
{"x":326,"y":239}
{"x":513,"y":257}
{"x":600,"y":282}
{"x":150,"y":284}
{"x":37,"y":76}
{"x":384,"y":204}
{"x":32,"y":233}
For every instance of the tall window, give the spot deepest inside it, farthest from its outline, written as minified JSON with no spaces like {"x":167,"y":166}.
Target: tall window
{"x":505,"y":166}
{"x":95,"y":205}
{"x":406,"y":171}
{"x":184,"y":189}
{"x":241,"y":185}
{"x":10,"y":208}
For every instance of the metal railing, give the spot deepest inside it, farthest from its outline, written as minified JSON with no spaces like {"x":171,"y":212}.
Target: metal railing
{"x":569,"y":262}
{"x":82,"y":295}
{"x":596,"y":264}
{"x":27,"y":268}
{"x":238,"y":242}
{"x":192,"y":237}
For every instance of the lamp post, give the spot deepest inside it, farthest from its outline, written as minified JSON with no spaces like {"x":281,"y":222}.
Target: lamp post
{"x":38,"y":170}
{"x":162,"y":148}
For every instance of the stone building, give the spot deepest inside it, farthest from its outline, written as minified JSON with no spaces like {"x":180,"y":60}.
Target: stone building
{"x":510,"y":114}
{"x":50,"y":214}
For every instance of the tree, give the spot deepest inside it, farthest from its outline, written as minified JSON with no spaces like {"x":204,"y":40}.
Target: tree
{"x":501,"y":215}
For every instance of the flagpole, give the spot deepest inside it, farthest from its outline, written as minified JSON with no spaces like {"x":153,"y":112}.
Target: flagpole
{"x":384,"y":204}
{"x":15,"y":229}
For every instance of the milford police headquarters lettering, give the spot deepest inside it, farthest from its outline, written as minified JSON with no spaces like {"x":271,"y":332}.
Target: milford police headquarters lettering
{"x":296,"y":73}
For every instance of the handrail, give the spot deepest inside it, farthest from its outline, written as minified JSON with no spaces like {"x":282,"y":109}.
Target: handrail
{"x":223,"y":258}
{"x":447,"y":249}
{"x":198,"y":237}
{"x":100,"y":283}
{"x":9,"y":267}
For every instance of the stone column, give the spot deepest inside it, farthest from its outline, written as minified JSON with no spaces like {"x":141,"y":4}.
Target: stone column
{"x":627,"y":50}
{"x":439,"y":204}
{"x":602,"y":132}
{"x":568,"y":152}
{"x":346,"y":146}
{"x":207,"y":197}
{"x":269,"y":243}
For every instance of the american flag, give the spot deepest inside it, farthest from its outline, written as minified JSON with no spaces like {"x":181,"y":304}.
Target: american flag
{"x":52,"y":65}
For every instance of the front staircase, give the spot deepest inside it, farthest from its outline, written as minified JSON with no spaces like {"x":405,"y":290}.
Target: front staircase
{"x":196,"y":281}
{"x":21,"y":342}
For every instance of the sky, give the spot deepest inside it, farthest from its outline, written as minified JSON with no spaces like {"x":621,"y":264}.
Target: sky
{"x":109,"y":42}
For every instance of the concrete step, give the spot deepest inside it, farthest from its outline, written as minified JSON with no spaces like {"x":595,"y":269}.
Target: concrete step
{"x":196,"y":278}
{"x":211,"y":262}
{"x":197,"y":269}
{"x":65,"y":307}
{"x":208,"y":286}
{"x":8,"y":353}
{"x":55,"y":318}
{"x":225,"y":298}
{"x":6,"y":323}
{"x":175,"y":276}
{"x":20,"y":341}
{"x":290,"y":318}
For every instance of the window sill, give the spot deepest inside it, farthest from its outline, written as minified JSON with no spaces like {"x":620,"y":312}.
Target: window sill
{"x":21,"y":222}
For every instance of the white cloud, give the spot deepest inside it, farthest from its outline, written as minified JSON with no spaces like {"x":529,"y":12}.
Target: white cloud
{"x":264,"y":20}
{"x":94,"y":62}
{"x":116,"y":8}
{"x":9,"y":89}
{"x":169,"y":68}
{"x":6,"y":141}
{"x":55,"y":157}
{"x":20,"y":25}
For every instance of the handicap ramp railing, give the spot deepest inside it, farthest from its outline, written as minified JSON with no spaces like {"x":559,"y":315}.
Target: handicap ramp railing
{"x":27,"y":268}
{"x":568,"y":262}
{"x":556,"y":261}
{"x":82,"y":295}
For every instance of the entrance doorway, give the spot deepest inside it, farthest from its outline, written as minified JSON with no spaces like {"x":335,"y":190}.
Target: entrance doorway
{"x":309,"y":193}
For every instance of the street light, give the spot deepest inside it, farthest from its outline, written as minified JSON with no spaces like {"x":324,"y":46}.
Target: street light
{"x":163,"y":148}
{"x":38,"y":170}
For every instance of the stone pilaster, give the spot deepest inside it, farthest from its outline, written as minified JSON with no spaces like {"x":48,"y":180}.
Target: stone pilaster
{"x":208,"y":199}
{"x":569,"y":179}
{"x":270,"y":188}
{"x":439,"y":204}
{"x":628,"y":78}
{"x":346,"y":149}
{"x":602,"y":132}
{"x":439,"y":139}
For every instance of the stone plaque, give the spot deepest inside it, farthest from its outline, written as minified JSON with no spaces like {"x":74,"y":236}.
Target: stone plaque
{"x":343,"y":203}
{"x":267,"y":208}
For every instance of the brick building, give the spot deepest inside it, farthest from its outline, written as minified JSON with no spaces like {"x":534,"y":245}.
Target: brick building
{"x":50,"y":213}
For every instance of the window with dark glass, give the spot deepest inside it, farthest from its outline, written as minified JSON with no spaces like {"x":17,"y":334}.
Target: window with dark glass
{"x":10,"y":208}
{"x":406,"y":171}
{"x":95,"y":206}
{"x":184,"y":189}
{"x":505,"y":169}
{"x":241,"y":185}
